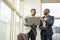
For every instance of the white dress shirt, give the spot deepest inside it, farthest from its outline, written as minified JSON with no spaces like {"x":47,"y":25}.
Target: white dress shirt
{"x":44,"y":24}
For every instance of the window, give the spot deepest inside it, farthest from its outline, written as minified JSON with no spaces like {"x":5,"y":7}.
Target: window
{"x":57,"y":22}
{"x":56,"y":29}
{"x":17,"y":26}
{"x":54,"y":8}
{"x":55,"y":11}
{"x":56,"y":26}
{"x":5,"y":21}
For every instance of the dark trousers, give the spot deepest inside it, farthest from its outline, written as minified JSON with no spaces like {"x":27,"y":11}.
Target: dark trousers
{"x":32,"y":38}
{"x":31,"y":35}
{"x":46,"y":37}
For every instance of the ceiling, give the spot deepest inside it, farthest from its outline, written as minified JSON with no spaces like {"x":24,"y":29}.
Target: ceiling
{"x":50,"y":1}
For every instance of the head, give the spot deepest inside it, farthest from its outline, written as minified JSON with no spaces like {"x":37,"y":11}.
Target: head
{"x":33,"y":12}
{"x":46,"y":12}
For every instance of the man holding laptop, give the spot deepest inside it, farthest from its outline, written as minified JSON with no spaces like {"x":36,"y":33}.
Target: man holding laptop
{"x":32,"y":32}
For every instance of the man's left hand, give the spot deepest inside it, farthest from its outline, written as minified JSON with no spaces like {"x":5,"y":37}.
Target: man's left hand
{"x":33,"y":24}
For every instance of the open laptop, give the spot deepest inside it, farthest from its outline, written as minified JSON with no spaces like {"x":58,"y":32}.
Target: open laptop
{"x":31,"y":20}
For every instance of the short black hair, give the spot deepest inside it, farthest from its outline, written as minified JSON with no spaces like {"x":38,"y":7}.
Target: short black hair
{"x":48,"y":9}
{"x":33,"y":9}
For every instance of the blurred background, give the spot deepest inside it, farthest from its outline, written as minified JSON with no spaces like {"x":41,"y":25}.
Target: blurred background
{"x":13,"y":12}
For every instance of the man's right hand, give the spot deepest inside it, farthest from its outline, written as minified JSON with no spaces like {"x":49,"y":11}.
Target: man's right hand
{"x":42,"y":19}
{"x":42,"y":28}
{"x":33,"y":24}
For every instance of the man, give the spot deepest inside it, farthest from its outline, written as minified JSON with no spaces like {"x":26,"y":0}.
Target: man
{"x":46,"y":23}
{"x":32,"y":33}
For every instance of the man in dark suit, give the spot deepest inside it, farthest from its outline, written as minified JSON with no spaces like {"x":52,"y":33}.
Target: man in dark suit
{"x":46,"y":23}
{"x":32,"y":32}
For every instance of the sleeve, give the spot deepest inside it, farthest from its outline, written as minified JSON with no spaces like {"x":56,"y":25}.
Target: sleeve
{"x":50,"y":22}
{"x":25,"y":22}
{"x":40,"y":24}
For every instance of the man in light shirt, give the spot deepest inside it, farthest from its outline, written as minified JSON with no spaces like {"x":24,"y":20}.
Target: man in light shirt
{"x":32,"y":28}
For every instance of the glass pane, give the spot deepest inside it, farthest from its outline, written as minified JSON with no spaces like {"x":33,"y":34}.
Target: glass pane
{"x":57,"y":22}
{"x":18,"y":5}
{"x":5,"y":20}
{"x":54,"y":8}
{"x":17,"y":26}
{"x":56,"y":26}
{"x":56,"y":29}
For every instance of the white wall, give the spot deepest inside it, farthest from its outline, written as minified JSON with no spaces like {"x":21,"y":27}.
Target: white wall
{"x":29,"y":4}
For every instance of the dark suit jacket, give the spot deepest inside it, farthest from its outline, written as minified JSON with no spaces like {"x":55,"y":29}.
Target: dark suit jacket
{"x":33,"y":31}
{"x":49,"y":22}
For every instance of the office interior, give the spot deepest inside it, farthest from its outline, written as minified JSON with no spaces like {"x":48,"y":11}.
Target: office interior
{"x":13,"y":12}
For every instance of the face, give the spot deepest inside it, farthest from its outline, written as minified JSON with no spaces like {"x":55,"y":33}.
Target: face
{"x":46,"y":12}
{"x":33,"y":12}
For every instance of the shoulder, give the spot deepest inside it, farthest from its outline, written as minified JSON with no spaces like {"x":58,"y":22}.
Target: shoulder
{"x":51,"y":16}
{"x":27,"y":16}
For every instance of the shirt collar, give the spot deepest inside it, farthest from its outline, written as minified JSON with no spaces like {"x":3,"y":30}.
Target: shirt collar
{"x":47,"y":16}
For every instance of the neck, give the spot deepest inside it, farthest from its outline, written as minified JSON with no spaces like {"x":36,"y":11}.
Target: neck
{"x":46,"y":15}
{"x":33,"y":15}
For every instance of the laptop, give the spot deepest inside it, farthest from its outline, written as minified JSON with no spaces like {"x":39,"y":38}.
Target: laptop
{"x":31,"y":20}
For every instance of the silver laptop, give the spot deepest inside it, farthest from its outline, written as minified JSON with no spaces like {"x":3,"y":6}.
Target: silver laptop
{"x":36,"y":20}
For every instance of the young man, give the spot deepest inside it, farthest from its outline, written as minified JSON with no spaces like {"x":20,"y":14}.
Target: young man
{"x":32,"y":32}
{"x":46,"y":23}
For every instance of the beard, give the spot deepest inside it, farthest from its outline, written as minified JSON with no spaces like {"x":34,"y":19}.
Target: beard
{"x":45,"y":13}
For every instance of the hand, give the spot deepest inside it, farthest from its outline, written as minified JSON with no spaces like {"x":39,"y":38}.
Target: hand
{"x":42,"y":19}
{"x":33,"y":24}
{"x":42,"y":28}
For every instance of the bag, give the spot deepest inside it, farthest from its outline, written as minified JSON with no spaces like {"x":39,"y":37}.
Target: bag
{"x":22,"y":36}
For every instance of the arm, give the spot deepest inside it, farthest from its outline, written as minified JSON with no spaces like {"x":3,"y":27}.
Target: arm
{"x":41,"y":25}
{"x":50,"y":22}
{"x":33,"y":24}
{"x":25,"y":22}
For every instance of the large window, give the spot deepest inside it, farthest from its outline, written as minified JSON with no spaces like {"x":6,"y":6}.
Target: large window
{"x":54,"y":8}
{"x":5,"y":20}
